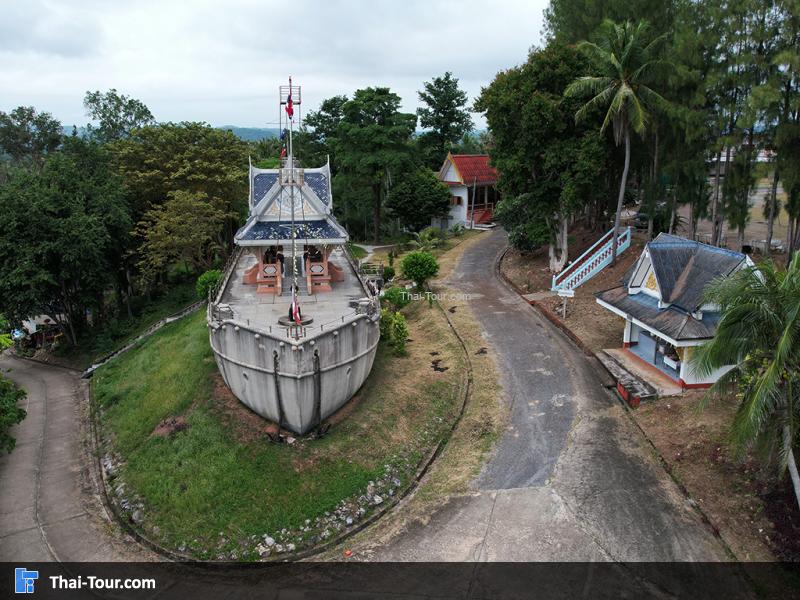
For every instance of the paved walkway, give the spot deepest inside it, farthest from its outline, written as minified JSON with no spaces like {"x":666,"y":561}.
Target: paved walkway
{"x":571,"y":478}
{"x":48,"y":507}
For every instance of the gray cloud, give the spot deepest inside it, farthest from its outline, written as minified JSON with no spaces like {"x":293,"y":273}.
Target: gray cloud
{"x":222,"y":62}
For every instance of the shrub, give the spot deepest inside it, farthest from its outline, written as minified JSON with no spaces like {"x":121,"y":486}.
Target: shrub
{"x":419,"y":267}
{"x":457,"y":230}
{"x":397,"y":297}
{"x":207,"y":281}
{"x":10,"y":412}
{"x":388,"y":273}
{"x":394,"y":330}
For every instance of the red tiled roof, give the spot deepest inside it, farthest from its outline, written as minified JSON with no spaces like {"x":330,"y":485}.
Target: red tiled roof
{"x":474,"y":167}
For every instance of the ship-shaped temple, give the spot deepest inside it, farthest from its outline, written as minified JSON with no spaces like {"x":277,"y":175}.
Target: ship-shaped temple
{"x":293,"y":325}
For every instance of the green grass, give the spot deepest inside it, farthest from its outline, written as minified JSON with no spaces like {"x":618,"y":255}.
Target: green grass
{"x":205,"y":480}
{"x":357,"y":251}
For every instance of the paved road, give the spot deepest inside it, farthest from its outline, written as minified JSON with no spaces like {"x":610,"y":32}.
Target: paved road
{"x":48,"y":507}
{"x":571,"y":478}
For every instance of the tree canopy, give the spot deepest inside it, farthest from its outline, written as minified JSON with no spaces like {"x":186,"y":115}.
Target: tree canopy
{"x":26,"y":133}
{"x":417,"y":198}
{"x":117,"y":114}
{"x":444,"y":116}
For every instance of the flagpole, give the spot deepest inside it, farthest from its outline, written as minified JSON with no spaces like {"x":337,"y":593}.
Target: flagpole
{"x":289,"y":114}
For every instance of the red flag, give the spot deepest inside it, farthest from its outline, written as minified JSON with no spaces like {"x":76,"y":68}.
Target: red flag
{"x":295,"y":308}
{"x":289,"y":103}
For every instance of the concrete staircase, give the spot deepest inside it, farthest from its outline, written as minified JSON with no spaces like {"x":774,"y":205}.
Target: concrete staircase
{"x":591,"y":262}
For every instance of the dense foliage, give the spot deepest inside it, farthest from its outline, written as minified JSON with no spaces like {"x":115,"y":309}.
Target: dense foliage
{"x":417,"y":198}
{"x":10,"y":412}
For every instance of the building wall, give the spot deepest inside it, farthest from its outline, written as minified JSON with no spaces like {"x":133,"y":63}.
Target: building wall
{"x":457,"y":214}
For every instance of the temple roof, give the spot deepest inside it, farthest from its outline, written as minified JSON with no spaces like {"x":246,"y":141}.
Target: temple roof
{"x":470,"y":168}
{"x":312,"y":231}
{"x":683,"y":268}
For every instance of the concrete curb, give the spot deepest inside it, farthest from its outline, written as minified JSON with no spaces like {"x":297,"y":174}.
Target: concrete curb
{"x":117,"y":514}
{"x":628,"y":410}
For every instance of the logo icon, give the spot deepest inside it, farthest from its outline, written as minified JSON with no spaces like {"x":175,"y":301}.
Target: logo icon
{"x":24,"y":579}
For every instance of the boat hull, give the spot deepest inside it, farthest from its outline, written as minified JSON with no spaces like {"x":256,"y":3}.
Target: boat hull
{"x":331,"y":366}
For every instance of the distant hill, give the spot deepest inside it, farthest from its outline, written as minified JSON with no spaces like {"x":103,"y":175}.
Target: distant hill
{"x":248,"y":134}
{"x":252,"y":134}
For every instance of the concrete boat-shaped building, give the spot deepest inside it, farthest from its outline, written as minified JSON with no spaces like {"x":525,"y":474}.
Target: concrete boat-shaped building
{"x":293,"y":358}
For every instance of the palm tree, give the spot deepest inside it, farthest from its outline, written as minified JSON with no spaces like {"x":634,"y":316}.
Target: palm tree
{"x":760,"y":333}
{"x":624,"y":65}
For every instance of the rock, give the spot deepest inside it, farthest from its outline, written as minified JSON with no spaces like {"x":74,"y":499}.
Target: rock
{"x":136,"y":517}
{"x":269,"y":541}
{"x":279,"y":548}
{"x":348,"y":521}
{"x":290,"y":440}
{"x":290,"y":547}
{"x":377,"y":500}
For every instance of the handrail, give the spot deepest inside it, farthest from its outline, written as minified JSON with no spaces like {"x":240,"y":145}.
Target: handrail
{"x":579,"y":271}
{"x":578,"y":261}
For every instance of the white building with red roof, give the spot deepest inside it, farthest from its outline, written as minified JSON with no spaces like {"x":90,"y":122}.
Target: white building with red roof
{"x":473,"y":190}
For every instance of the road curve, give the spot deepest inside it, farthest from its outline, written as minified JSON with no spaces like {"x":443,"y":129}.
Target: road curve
{"x":49,"y":507}
{"x":571,"y":478}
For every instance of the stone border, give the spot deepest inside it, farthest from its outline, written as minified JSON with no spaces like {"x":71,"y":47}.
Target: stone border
{"x":116,"y":513}
{"x":628,"y":410}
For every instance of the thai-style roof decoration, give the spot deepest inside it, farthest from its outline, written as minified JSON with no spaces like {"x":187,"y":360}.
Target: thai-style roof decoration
{"x":468,"y":169}
{"x":664,"y":288}
{"x":271,"y":205}
{"x":322,"y":231}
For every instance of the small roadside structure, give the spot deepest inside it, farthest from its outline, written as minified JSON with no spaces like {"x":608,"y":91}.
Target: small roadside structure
{"x":473,"y":190}
{"x":661,"y":300}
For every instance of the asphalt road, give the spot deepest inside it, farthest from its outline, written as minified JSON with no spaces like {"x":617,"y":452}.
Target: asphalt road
{"x":571,"y":478}
{"x":49,"y":509}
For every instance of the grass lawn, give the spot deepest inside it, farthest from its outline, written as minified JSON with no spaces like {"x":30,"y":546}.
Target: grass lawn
{"x":357,"y":251}
{"x":216,"y":486}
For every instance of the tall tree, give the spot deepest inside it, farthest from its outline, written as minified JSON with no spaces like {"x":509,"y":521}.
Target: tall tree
{"x":626,"y":64}
{"x":372,"y":144}
{"x":62,"y":227}
{"x":549,"y":165}
{"x":760,"y":333}
{"x":444,"y":116}
{"x":27,"y":134}
{"x":117,"y":114}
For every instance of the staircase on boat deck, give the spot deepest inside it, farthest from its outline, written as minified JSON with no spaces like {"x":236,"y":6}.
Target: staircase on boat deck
{"x":591,"y":262}
{"x":286,"y":288}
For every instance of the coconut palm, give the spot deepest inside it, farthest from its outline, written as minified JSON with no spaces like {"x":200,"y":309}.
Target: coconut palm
{"x":760,"y":333}
{"x":625,"y":63}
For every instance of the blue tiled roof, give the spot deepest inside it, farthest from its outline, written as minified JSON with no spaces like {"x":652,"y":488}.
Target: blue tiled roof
{"x":262,"y":184}
{"x":281,"y":230}
{"x":319,"y":183}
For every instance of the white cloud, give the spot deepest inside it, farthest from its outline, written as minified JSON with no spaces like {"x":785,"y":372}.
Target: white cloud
{"x":222,"y":62}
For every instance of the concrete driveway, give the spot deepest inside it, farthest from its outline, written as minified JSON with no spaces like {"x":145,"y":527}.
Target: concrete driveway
{"x":571,"y":479}
{"x":48,"y":506}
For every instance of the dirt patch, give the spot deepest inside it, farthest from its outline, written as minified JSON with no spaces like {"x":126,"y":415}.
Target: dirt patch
{"x":170,"y":426}
{"x":597,"y":327}
{"x":757,"y":521}
{"x":245,"y":425}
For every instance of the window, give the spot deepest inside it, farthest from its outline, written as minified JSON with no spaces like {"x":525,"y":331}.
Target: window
{"x":455,"y":200}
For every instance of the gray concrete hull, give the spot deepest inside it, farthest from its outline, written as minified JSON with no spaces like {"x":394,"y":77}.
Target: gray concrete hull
{"x":246,"y":358}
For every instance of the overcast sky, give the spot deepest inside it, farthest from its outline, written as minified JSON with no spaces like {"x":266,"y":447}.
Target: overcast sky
{"x":222,"y":62}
